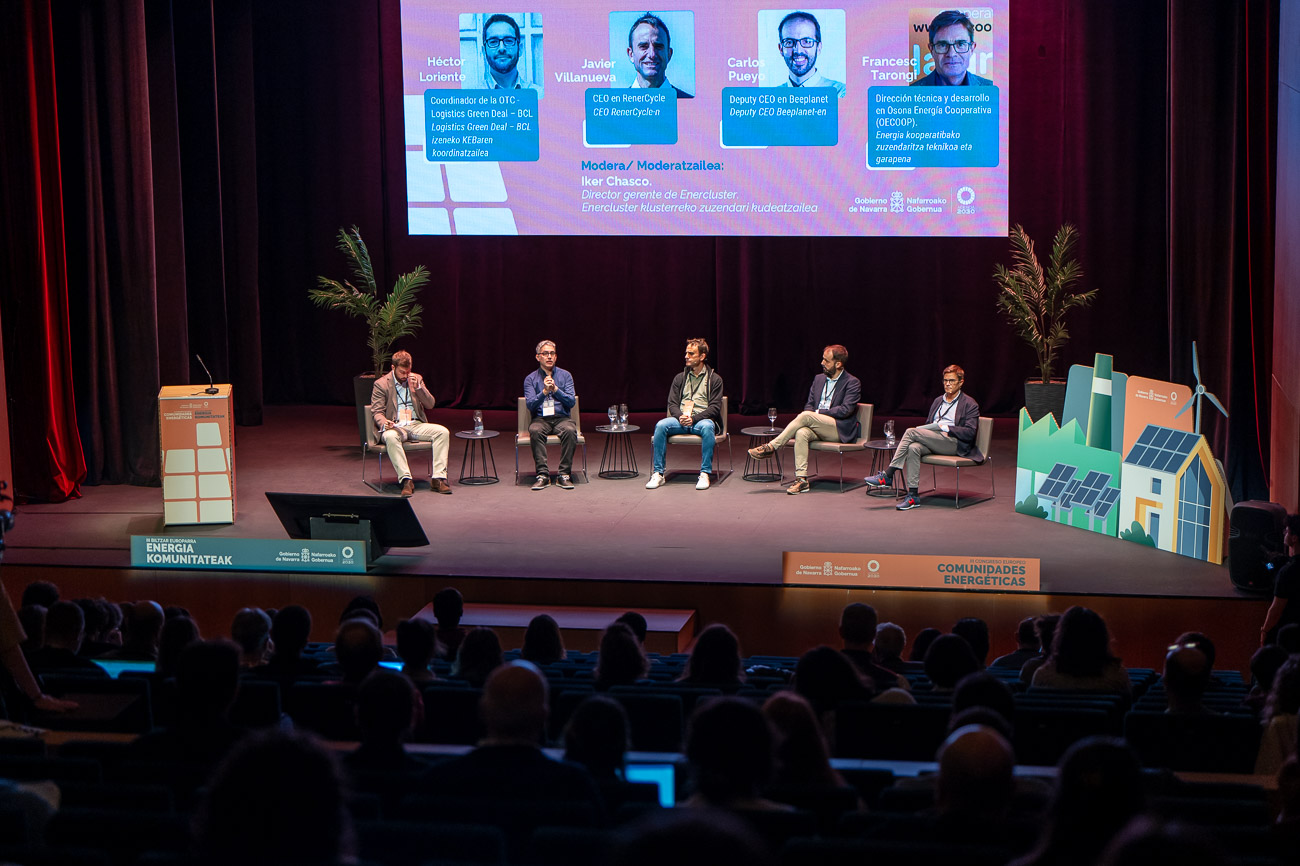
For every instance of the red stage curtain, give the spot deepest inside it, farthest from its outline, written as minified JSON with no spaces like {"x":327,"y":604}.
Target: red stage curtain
{"x":49,"y":464}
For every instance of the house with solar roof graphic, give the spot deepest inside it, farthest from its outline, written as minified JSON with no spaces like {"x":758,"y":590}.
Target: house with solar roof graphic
{"x":1125,"y":462}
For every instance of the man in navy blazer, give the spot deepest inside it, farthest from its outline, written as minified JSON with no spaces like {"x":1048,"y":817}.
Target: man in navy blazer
{"x":954,"y":420}
{"x":831,"y":415}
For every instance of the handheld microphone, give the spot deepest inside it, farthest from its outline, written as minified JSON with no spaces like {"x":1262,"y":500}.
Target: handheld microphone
{"x":211,"y":389}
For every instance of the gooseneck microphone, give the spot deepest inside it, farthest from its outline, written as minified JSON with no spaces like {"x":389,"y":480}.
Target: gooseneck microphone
{"x":211,"y":389}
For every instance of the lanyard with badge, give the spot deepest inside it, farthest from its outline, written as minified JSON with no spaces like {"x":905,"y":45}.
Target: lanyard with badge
{"x":405,"y":414}
{"x":828,"y":390}
{"x":946,"y":412}
{"x":688,"y":399}
{"x":548,"y":405}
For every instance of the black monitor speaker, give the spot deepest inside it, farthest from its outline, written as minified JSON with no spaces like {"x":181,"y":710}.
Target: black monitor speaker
{"x":380,"y":521}
{"x":1255,"y":538}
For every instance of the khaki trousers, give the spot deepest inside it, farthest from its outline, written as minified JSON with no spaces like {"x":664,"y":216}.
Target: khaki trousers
{"x":419,"y":432}
{"x":806,"y":427}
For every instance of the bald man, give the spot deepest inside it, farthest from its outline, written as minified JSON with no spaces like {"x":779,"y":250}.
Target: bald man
{"x":976,"y":779}
{"x":509,"y":764}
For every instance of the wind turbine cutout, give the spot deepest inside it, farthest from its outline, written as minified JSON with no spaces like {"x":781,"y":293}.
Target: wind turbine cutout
{"x":1200,"y":390}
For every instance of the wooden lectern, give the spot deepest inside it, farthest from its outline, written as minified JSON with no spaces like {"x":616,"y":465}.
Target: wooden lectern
{"x":196,"y":435}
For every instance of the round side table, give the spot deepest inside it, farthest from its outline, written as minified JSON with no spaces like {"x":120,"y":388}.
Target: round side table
{"x":882,"y":451}
{"x":618,"y":461}
{"x":754,"y":468}
{"x":477,"y":455}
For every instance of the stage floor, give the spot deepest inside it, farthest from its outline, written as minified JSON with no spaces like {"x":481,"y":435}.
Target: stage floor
{"x":616,"y":530}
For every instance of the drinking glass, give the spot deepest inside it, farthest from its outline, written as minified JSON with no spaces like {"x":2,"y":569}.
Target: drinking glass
{"x":771,"y":417}
{"x":622,"y":414}
{"x":613,"y":413}
{"x":478,"y":421}
{"x":889,"y":432}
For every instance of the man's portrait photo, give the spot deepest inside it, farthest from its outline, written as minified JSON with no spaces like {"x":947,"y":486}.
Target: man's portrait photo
{"x":951,"y":47}
{"x":653,"y":49}
{"x":501,"y":51}
{"x":803,"y":48}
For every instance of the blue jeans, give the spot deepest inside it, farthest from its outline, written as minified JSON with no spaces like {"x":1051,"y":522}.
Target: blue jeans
{"x":671,"y":427}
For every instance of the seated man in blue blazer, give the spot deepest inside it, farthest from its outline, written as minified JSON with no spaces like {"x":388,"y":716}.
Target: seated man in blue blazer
{"x":954,"y":421}
{"x":831,"y":415}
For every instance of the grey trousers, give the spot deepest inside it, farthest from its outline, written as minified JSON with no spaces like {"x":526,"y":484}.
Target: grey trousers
{"x":914,"y":444}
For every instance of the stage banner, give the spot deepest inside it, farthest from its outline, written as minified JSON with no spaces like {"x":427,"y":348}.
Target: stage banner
{"x":911,"y":571}
{"x":248,"y":554}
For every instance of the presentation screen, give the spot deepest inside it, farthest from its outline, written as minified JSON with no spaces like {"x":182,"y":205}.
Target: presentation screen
{"x":725,"y":118}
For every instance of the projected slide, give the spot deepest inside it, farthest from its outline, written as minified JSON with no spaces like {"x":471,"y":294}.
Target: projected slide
{"x":737,"y":118}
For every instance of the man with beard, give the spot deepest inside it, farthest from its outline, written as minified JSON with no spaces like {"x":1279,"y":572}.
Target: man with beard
{"x":952,"y":39}
{"x":502,"y":45}
{"x":649,"y":50}
{"x":800,"y":39}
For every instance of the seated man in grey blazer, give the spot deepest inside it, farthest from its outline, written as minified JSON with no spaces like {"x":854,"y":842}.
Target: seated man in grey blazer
{"x":954,"y":420}
{"x":830,"y":414}
{"x":397,"y":403}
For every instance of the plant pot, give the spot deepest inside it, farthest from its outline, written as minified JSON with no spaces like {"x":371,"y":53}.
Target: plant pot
{"x":1041,"y":399}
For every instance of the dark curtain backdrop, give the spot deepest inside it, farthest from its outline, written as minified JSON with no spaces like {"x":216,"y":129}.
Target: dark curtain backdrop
{"x":212,"y":150}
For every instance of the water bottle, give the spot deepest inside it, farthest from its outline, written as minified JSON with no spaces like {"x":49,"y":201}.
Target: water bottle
{"x":478,"y":421}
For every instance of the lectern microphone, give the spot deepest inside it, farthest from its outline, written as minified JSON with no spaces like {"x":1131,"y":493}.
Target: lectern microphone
{"x":211,"y":389}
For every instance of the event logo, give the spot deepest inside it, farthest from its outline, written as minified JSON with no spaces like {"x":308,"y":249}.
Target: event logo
{"x":896,"y":202}
{"x":965,"y":200}
{"x":828,"y":568}
{"x":873,"y":568}
{"x":347,"y":551}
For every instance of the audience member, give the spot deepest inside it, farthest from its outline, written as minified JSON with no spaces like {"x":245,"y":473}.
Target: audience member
{"x":802,"y":754}
{"x":1081,"y":657}
{"x":508,"y":764}
{"x":858,"y":632}
{"x":95,"y":613}
{"x":417,"y":644}
{"x":207,"y":681}
{"x":826,"y":678}
{"x":983,"y":689}
{"x":479,"y":655}
{"x":1027,"y":646}
{"x":976,"y":779}
{"x":32,"y":618}
{"x":1152,"y":841}
{"x":891,"y":640}
{"x":948,"y":659}
{"x":1288,"y":638}
{"x":975,"y":632}
{"x":921,"y":643}
{"x":715,"y":660}
{"x":40,"y":592}
{"x":1099,"y":789}
{"x":365,"y":605}
{"x":1282,"y":612}
{"x":448,"y":608}
{"x":596,"y":737}
{"x":290,"y":632}
{"x":251,"y":632}
{"x":1187,"y":672}
{"x":621,"y":661}
{"x":143,"y":628}
{"x":388,"y":709}
{"x":729,"y":747}
{"x":1264,"y":665}
{"x":277,"y":800}
{"x":637,"y":623}
{"x":1045,"y":625}
{"x":1281,"y":715}
{"x":172,"y":611}
{"x":542,"y":641}
{"x":64,"y":630}
{"x":177,"y":633}
{"x":13,"y":661}
{"x":358,"y":649}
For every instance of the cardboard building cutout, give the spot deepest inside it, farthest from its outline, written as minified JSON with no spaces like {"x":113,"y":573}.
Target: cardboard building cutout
{"x":1127,"y":461}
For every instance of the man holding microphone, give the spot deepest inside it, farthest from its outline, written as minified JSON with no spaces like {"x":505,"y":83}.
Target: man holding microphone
{"x":397,"y":403}
{"x":548,"y":394}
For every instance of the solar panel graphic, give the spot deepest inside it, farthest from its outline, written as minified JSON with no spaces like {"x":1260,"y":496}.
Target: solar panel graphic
{"x":1106,"y":502}
{"x":1162,"y":449}
{"x":1057,"y":481}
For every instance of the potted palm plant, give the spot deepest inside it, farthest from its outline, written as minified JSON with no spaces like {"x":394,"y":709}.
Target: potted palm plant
{"x":1035,"y":301}
{"x":389,"y":315}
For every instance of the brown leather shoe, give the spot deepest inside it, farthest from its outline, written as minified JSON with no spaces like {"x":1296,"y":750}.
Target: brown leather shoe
{"x":440,"y":485}
{"x":408,"y":488}
{"x":761,"y":451}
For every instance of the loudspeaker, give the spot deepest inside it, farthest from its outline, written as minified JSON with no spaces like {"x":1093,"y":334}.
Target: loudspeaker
{"x":1256,"y":536}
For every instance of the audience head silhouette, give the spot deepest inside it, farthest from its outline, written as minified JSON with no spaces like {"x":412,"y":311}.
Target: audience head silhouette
{"x":515,"y":703}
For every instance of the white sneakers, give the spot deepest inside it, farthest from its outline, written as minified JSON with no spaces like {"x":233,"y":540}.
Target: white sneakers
{"x":657,"y":481}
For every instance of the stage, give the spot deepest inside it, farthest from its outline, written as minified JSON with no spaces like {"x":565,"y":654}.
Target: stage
{"x":613,"y":543}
